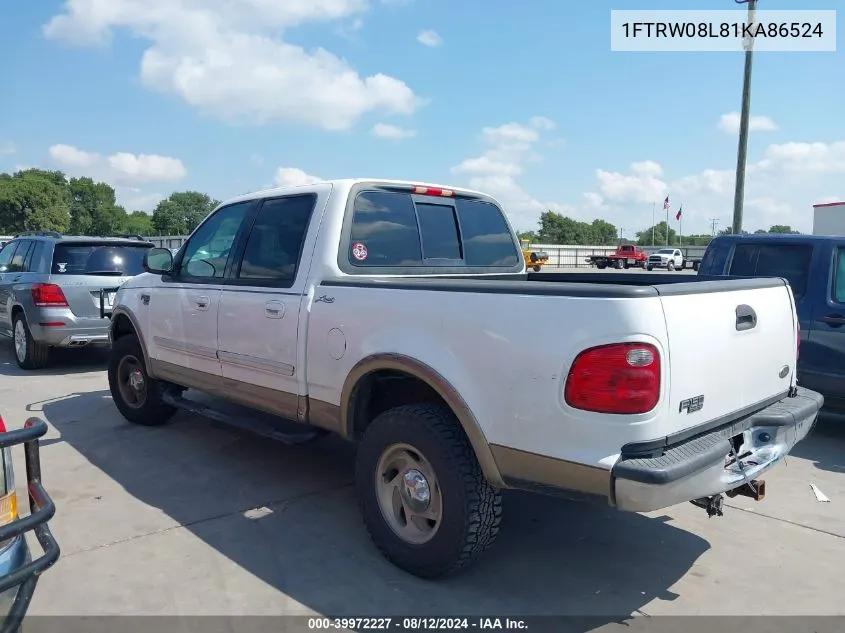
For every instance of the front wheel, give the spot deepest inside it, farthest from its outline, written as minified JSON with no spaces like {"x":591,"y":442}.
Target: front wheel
{"x":424,"y":498}
{"x":536,"y":269}
{"x":138,"y":397}
{"x":670,"y":266}
{"x":649,"y":268}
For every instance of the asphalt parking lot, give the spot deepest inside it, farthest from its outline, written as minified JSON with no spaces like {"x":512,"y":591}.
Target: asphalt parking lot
{"x":194,"y":518}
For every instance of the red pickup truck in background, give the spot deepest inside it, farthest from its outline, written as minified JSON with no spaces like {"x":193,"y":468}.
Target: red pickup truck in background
{"x":625,"y":256}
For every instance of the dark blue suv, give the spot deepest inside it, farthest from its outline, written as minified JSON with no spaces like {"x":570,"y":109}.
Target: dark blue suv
{"x":814,"y":265}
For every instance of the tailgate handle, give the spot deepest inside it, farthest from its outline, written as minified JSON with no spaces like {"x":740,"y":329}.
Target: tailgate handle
{"x":746,"y":318}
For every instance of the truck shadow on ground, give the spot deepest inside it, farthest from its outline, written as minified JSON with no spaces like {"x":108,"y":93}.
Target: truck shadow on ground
{"x":63,"y":362}
{"x":553,"y":557}
{"x":825,"y":446}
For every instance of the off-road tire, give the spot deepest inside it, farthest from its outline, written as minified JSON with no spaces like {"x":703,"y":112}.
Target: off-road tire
{"x":154,"y":411}
{"x":472,"y":508}
{"x":37,"y":353}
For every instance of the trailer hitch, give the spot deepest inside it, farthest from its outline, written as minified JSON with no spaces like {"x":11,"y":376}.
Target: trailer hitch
{"x":712,"y":505}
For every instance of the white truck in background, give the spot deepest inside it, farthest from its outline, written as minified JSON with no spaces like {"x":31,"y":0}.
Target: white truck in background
{"x":392,"y":314}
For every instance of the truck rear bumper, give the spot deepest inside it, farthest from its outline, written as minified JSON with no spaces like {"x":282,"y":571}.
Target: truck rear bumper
{"x":706,"y":465}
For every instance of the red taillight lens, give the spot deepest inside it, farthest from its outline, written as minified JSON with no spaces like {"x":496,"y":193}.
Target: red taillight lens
{"x":434,"y":191}
{"x":48,"y":295}
{"x":2,"y":425}
{"x":619,"y":378}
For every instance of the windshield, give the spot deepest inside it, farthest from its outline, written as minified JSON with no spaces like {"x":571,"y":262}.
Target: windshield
{"x":98,"y":259}
{"x":665,"y":251}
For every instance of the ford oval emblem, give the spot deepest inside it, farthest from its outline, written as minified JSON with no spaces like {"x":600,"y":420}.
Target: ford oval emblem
{"x":784,"y":372}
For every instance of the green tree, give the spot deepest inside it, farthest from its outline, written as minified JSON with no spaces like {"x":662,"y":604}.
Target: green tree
{"x":783,"y":229}
{"x":138,"y":223}
{"x":93,"y":208}
{"x":644,"y":237}
{"x":181,"y":212}
{"x":34,"y":199}
{"x":603,"y":233}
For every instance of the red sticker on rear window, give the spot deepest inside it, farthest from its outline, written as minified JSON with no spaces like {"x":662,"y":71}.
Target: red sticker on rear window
{"x":359,"y":251}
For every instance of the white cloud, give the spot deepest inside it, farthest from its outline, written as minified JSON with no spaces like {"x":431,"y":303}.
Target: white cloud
{"x":230,"y":58}
{"x":121,"y":167}
{"x":292,"y":176}
{"x":730,"y":123}
{"x":392,"y":132}
{"x":7,"y":147}
{"x":429,"y":37}
{"x":133,"y":199}
{"x":510,"y":147}
{"x":780,"y":188}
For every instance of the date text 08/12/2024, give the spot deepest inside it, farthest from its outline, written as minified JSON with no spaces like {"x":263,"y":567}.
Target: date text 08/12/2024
{"x":416,"y":624}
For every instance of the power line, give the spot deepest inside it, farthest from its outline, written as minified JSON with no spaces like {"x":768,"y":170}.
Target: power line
{"x":713,"y":223}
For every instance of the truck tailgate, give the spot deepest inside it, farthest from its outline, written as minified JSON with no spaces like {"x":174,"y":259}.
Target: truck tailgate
{"x":728,"y":350}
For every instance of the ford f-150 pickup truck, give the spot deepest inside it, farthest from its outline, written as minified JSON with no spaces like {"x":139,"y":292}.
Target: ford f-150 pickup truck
{"x":390,"y":313}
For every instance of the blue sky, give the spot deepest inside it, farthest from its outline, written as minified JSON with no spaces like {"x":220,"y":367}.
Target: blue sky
{"x":162,"y":95}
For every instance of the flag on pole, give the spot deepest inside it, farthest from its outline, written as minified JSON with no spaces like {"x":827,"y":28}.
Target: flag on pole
{"x":678,"y":214}
{"x":666,"y":203}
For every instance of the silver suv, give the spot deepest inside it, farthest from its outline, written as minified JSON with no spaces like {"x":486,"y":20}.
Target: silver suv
{"x":57,"y":291}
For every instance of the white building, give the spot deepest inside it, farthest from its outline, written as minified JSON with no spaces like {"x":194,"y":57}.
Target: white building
{"x":829,"y":218}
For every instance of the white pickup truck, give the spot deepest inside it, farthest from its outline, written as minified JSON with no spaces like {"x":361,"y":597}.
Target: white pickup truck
{"x":392,"y":314}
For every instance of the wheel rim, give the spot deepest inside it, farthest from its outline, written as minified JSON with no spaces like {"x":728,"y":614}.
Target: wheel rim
{"x":408,"y":494}
{"x":20,"y":340}
{"x":132,"y":382}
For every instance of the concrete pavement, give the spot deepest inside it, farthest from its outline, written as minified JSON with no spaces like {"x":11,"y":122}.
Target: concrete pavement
{"x":194,"y":518}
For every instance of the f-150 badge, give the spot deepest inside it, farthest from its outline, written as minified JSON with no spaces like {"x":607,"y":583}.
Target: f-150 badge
{"x":691,"y":405}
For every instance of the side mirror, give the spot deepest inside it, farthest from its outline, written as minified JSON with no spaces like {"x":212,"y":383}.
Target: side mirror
{"x":158,"y":261}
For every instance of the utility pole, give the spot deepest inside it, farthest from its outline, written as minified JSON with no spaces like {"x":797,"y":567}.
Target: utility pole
{"x":653,"y":204}
{"x":713,"y":223}
{"x":742,"y":148}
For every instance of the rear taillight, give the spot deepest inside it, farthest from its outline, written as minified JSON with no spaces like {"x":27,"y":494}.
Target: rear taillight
{"x":48,"y":295}
{"x":433,"y":191}
{"x":619,"y":378}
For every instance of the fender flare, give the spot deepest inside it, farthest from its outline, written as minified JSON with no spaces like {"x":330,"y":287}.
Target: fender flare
{"x":428,"y":375}
{"x":124,"y":312}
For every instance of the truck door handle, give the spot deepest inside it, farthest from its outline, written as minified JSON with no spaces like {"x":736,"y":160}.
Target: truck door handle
{"x":834,"y":320}
{"x":746,"y":318}
{"x":202,"y":303}
{"x":274,"y":309}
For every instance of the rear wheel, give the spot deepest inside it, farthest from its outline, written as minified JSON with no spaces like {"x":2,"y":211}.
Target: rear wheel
{"x":601,"y":266}
{"x":649,"y":268}
{"x":424,"y":499}
{"x":29,"y":353}
{"x":536,"y":269}
{"x":138,"y":397}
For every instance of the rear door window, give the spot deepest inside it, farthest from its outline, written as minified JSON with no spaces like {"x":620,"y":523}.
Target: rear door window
{"x":18,"y":263}
{"x":6,"y":256}
{"x":274,"y":246}
{"x":791,"y":261}
{"x":98,"y":258}
{"x":393,"y":229}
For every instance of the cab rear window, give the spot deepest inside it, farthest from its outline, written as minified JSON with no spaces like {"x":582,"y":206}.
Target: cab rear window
{"x":98,"y":259}
{"x":790,"y":261}
{"x":391,"y":229}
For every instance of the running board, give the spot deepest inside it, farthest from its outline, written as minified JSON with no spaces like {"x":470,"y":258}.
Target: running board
{"x":254,"y":426}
